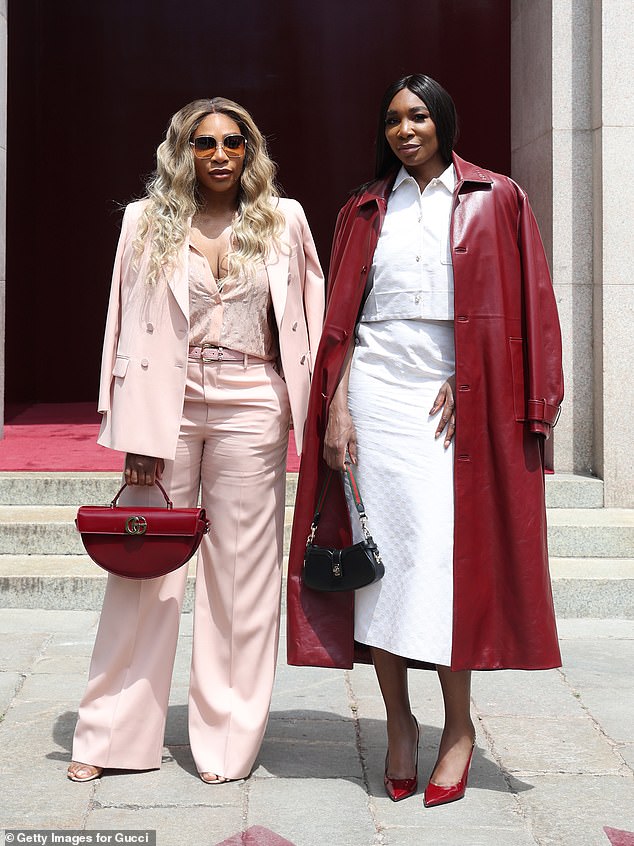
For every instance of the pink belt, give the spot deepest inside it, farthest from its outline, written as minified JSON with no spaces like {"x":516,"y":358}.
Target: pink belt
{"x":210,"y":352}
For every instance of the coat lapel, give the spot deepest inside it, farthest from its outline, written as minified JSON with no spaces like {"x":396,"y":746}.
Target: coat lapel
{"x":277,"y":265}
{"x":278,"y":269}
{"x":178,"y":278}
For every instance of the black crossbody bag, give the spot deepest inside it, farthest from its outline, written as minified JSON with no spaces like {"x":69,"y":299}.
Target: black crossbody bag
{"x":350,"y":568}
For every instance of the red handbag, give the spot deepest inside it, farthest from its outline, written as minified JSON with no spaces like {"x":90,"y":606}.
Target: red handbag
{"x":141,"y":542}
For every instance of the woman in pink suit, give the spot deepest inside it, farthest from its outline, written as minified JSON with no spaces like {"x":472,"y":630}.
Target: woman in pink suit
{"x":215,"y":313}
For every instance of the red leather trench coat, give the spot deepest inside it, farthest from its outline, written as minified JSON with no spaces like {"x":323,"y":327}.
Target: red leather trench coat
{"x":509,"y":386}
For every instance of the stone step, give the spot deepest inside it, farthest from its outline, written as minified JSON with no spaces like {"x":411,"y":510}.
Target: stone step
{"x":571,"y":490}
{"x":593,"y":587}
{"x":50,"y":530}
{"x":563,"y":490}
{"x":72,"y":582}
{"x":76,"y":488}
{"x":589,"y":532}
{"x":58,"y":488}
{"x":601,"y":588}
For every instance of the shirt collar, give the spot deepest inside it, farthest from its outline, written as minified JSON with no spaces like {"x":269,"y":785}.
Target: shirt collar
{"x":447,"y":178}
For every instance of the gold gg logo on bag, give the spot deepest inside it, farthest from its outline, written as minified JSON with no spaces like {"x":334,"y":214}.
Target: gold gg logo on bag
{"x":136,"y":525}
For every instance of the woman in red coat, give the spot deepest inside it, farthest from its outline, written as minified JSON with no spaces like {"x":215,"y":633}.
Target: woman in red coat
{"x":439,"y":376}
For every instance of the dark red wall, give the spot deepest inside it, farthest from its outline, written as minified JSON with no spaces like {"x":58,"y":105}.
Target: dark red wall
{"x":92,"y":86}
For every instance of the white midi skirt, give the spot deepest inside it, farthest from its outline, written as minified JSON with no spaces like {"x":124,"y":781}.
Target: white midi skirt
{"x":405,"y":477}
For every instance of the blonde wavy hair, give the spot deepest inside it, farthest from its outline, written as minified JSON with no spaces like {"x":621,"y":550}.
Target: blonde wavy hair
{"x":174,"y":198}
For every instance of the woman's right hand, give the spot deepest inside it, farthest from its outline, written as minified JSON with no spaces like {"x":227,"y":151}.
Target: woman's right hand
{"x":340,"y":437}
{"x":142,"y":469}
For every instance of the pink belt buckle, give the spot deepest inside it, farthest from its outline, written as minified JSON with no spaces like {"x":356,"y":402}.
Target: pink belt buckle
{"x":215,"y":353}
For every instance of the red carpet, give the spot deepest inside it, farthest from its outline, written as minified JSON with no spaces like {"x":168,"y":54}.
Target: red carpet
{"x":51,"y":436}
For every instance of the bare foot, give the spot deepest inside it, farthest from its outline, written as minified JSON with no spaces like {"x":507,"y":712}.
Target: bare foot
{"x":83,"y":772}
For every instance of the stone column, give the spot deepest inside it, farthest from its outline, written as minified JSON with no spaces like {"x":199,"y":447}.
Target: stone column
{"x":572,"y":226}
{"x":531,"y":107}
{"x":531,"y":126}
{"x":613,"y":150}
{"x":552,"y":159}
{"x":3,"y":192}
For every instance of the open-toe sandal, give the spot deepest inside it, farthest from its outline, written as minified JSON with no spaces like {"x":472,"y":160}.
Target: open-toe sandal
{"x":215,"y":780}
{"x":83,"y":772}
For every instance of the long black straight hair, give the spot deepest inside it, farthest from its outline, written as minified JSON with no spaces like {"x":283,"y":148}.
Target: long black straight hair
{"x":441,"y":109}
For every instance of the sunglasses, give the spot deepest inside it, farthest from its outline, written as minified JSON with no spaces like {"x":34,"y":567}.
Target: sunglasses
{"x":205,"y":146}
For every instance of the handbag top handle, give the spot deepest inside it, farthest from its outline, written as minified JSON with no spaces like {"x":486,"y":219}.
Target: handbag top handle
{"x":168,"y":501}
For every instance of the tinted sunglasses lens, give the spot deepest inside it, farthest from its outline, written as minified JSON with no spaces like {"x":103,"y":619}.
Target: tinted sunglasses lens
{"x":234,"y":145}
{"x":204,"y":146}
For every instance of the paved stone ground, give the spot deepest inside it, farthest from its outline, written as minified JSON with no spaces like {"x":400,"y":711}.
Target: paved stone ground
{"x":553,"y":766}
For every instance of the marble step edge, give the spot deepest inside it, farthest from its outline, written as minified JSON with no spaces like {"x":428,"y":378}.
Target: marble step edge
{"x":593,"y":533}
{"x":73,"y":489}
{"x":563,"y":490}
{"x":573,"y":490}
{"x":59,"y":537}
{"x":51,"y":515}
{"x":560,"y":517}
{"x":581,"y":588}
{"x":60,"y":566}
{"x":12,"y":565}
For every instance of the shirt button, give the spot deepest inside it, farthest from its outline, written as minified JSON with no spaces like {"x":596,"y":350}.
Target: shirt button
{"x":302,"y":359}
{"x":145,"y":363}
{"x":417,"y":258}
{"x":150,"y":328}
{"x":294,"y":327}
{"x":417,"y":298}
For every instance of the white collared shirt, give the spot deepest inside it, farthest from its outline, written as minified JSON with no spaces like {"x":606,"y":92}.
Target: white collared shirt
{"x":411,"y":269}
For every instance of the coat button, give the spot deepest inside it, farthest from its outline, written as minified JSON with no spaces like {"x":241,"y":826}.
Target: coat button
{"x":294,"y":327}
{"x":364,"y":269}
{"x":464,"y":388}
{"x":150,"y":327}
{"x":463,"y":318}
{"x":145,"y":363}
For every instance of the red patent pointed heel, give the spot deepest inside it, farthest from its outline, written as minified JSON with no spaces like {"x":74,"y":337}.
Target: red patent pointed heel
{"x":402,"y":788}
{"x":437,"y":794}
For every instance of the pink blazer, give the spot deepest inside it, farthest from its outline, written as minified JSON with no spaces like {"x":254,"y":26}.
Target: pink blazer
{"x":144,"y":361}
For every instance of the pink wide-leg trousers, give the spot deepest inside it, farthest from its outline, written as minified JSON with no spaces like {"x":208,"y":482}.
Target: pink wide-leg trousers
{"x":232,"y":444}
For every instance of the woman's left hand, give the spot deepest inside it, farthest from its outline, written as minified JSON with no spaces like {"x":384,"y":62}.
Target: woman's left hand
{"x":445,"y":400}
